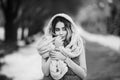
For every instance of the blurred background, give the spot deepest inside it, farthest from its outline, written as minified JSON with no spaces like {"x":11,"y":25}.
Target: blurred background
{"x":22,"y":24}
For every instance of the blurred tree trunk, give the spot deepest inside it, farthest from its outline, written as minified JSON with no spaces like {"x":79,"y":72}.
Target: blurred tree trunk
{"x":10,"y":9}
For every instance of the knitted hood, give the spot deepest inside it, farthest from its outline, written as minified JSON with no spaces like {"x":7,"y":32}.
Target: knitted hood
{"x":73,"y":27}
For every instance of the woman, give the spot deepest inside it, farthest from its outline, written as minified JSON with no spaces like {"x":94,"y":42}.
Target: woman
{"x":62,"y":42}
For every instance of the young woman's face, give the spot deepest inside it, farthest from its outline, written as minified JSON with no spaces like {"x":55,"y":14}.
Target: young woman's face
{"x":60,"y":30}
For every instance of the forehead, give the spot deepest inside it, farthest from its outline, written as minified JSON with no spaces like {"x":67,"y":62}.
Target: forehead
{"x":60,"y":24}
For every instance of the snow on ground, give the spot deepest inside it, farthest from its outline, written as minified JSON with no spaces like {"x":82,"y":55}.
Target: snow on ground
{"x":2,"y":33}
{"x":24,"y":64}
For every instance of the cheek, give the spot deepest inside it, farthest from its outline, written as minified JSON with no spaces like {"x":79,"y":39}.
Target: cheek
{"x":57,"y":33}
{"x":65,"y":32}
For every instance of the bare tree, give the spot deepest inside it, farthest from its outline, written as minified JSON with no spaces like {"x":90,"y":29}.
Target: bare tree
{"x":10,"y":9}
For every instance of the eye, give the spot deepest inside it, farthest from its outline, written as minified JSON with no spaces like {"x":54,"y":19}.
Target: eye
{"x":64,"y":29}
{"x":56,"y":29}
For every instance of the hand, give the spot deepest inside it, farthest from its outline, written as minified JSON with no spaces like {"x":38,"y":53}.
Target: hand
{"x":64,"y":51}
{"x":67,"y":52}
{"x":57,"y":55}
{"x":58,"y":41}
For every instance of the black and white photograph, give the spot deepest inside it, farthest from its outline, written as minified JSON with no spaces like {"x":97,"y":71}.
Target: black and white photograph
{"x":59,"y":39}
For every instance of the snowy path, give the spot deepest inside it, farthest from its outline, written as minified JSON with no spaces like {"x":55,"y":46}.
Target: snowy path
{"x":24,"y":64}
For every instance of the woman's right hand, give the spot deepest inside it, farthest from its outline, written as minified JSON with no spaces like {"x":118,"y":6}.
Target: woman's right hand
{"x":58,"y":41}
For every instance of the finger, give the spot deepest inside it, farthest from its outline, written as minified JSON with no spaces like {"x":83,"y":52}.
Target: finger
{"x":43,"y":49}
{"x":58,"y":38}
{"x":74,"y":47}
{"x":56,"y":52}
{"x":42,"y":52}
{"x":53,"y":52}
{"x":58,"y":43}
{"x":54,"y":58}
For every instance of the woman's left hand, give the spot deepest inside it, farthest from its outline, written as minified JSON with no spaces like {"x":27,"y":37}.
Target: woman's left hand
{"x":64,"y":50}
{"x":57,"y":55}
